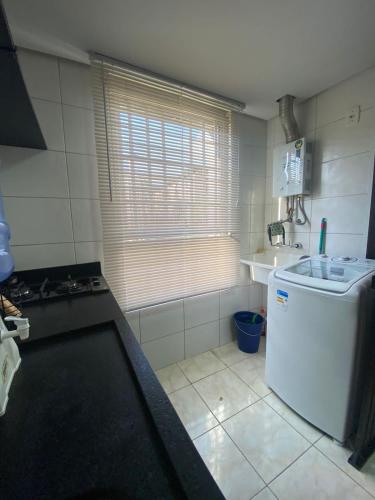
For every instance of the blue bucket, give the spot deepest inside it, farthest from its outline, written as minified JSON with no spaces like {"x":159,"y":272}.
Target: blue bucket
{"x":249,"y":329}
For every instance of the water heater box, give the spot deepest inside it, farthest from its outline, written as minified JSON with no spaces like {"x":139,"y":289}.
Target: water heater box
{"x":292,"y":165}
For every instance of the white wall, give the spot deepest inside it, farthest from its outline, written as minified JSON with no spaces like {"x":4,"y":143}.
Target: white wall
{"x":51,"y":197}
{"x":343,"y":160}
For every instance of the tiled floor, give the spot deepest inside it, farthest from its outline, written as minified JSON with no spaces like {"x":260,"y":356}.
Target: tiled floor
{"x":254,"y":445}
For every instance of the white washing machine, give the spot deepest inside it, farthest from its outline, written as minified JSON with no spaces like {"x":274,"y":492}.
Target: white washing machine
{"x":315,"y":335}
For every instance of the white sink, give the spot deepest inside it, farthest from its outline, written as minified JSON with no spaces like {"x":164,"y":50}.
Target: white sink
{"x":261,"y":264}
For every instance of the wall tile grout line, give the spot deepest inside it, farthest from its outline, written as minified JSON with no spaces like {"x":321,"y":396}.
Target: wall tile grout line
{"x":342,"y":118}
{"x":184,"y":319}
{"x":61,"y":103}
{"x":286,"y":468}
{"x":66,"y":164}
{"x":291,"y":425}
{"x":55,"y":150}
{"x":247,"y":460}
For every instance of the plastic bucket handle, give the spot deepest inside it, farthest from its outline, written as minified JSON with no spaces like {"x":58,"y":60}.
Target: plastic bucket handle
{"x":247,"y":333}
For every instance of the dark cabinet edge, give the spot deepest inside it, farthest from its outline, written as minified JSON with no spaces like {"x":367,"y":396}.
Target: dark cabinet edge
{"x":6,"y":40}
{"x":190,"y":469}
{"x":19,"y":126}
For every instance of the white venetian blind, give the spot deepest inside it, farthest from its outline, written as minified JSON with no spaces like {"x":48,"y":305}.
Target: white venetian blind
{"x":168,"y":178}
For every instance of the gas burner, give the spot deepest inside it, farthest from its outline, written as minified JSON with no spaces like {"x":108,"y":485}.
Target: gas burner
{"x":70,"y":286}
{"x":25,"y":292}
{"x":21,"y":292}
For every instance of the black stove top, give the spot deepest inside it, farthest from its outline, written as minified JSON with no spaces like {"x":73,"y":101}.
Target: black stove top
{"x":30,"y":287}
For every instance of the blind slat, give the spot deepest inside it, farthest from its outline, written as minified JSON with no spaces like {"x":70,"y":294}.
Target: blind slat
{"x":168,"y":180}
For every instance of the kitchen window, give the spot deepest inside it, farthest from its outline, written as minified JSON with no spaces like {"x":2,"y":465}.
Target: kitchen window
{"x":168,"y":179}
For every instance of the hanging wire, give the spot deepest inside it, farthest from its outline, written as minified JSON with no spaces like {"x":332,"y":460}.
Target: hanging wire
{"x":301,"y":207}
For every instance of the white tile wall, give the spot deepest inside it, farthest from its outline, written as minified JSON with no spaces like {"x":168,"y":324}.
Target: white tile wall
{"x":250,"y":130}
{"x":39,"y":220}
{"x":252,"y":160}
{"x":49,"y":255}
{"x":233,"y":300}
{"x":75,"y":84}
{"x":227,"y":331}
{"x":342,"y":166}
{"x":133,"y":320}
{"x":50,"y":120}
{"x":252,"y":190}
{"x":252,"y":134}
{"x":256,"y":242}
{"x":334,"y":103}
{"x":51,"y":197}
{"x":86,"y":220}
{"x":161,"y":322}
{"x":79,"y":130}
{"x":83,"y":176}
{"x":201,"y":309}
{"x":345,"y":214}
{"x":165,"y":351}
{"x":32,"y":173}
{"x":202,"y":338}
{"x":337,"y":140}
{"x":41,"y":73}
{"x":88,"y":251}
{"x":257,"y":218}
{"x":341,"y":244}
{"x":335,"y":178}
{"x":255,"y":296}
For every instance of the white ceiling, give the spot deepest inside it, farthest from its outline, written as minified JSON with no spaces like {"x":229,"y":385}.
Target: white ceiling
{"x":251,"y":50}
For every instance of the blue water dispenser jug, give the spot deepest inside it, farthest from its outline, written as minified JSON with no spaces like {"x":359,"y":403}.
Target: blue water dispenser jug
{"x":6,"y":259}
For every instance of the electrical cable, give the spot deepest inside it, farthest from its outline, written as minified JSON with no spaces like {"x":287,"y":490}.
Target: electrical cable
{"x":302,"y":208}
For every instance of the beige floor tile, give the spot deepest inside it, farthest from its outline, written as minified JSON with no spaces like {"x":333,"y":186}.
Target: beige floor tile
{"x":172,"y":378}
{"x":308,"y":431}
{"x":252,"y":371}
{"x":225,"y":394}
{"x":200,"y":366}
{"x":265,"y":494}
{"x":230,"y":354}
{"x":313,"y":477}
{"x":267,"y":440}
{"x":232,"y":472}
{"x":194,"y":414}
{"x":339,"y":455}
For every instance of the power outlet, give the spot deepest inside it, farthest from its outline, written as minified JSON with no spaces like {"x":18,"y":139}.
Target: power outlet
{"x":353,"y":116}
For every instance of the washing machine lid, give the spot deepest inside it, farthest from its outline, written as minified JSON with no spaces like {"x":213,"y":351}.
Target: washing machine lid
{"x":326,"y":273}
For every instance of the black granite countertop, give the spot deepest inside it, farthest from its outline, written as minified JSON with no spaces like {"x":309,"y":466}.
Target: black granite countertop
{"x":87,"y":418}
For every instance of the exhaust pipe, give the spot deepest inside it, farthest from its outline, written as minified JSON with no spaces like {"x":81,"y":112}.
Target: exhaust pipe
{"x":287,"y":119}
